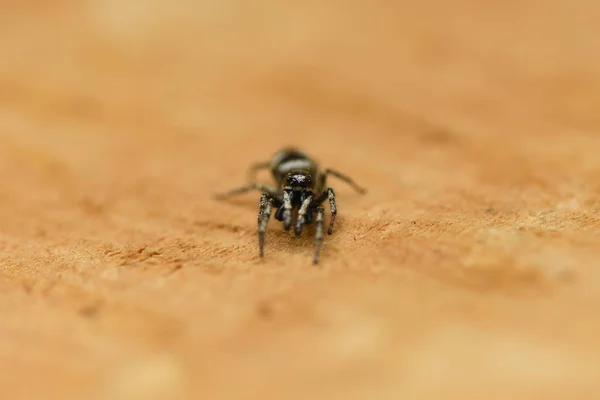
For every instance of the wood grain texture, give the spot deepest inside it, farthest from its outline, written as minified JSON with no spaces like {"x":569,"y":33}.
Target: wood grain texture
{"x":468,"y":271}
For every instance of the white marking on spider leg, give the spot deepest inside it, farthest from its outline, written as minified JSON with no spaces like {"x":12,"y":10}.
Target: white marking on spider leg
{"x":263,"y":227}
{"x":319,"y":234}
{"x":332,"y":205}
{"x":287,"y":212}
{"x":302,"y":214}
{"x":264,"y":199}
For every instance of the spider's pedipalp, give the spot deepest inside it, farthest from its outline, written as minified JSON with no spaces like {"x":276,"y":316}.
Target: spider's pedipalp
{"x":301,"y":220}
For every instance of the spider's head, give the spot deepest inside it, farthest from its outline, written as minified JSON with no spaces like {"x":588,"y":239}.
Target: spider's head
{"x":299,"y":181}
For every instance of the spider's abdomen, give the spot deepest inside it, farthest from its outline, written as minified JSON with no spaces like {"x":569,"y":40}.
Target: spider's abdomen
{"x":292,"y":160}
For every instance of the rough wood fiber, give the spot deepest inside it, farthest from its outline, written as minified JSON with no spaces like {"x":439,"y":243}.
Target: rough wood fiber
{"x":469,"y":271}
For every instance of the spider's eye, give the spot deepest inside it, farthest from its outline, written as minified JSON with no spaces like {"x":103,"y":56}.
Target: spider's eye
{"x":299,"y":180}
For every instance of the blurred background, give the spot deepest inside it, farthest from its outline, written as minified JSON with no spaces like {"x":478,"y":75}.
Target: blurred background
{"x":468,"y":271}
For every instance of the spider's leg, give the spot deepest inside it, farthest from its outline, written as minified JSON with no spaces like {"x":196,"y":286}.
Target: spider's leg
{"x":333,"y":207}
{"x":322,"y":197}
{"x":319,"y":234}
{"x":341,"y":176}
{"x":328,"y":194}
{"x":264,"y":199}
{"x":300,"y":221}
{"x":254,"y":168}
{"x":244,"y":189}
{"x":264,"y":214}
{"x":287,"y":211}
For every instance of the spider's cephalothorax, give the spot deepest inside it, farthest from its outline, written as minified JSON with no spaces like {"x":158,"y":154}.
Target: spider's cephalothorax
{"x":300,"y":187}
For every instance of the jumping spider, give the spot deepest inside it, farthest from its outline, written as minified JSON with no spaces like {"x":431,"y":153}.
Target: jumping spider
{"x":301,"y":187}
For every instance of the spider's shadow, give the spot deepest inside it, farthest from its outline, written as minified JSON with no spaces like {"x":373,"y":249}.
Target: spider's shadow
{"x":278,"y":241}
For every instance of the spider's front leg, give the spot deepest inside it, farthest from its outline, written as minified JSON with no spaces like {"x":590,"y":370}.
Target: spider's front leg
{"x":319,"y":233}
{"x":333,"y":207}
{"x":287,"y":211}
{"x":264,"y":213}
{"x":329,"y":194}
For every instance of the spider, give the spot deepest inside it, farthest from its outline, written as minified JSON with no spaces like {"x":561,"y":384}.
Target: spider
{"x":301,"y":186}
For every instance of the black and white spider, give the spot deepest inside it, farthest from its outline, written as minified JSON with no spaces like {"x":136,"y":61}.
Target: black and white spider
{"x":301,"y":187}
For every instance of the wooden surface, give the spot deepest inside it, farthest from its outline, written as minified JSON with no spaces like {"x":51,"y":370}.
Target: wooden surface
{"x":471,"y":269}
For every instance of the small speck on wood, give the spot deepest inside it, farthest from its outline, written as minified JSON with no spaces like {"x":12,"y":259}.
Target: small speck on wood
{"x":89,"y":311}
